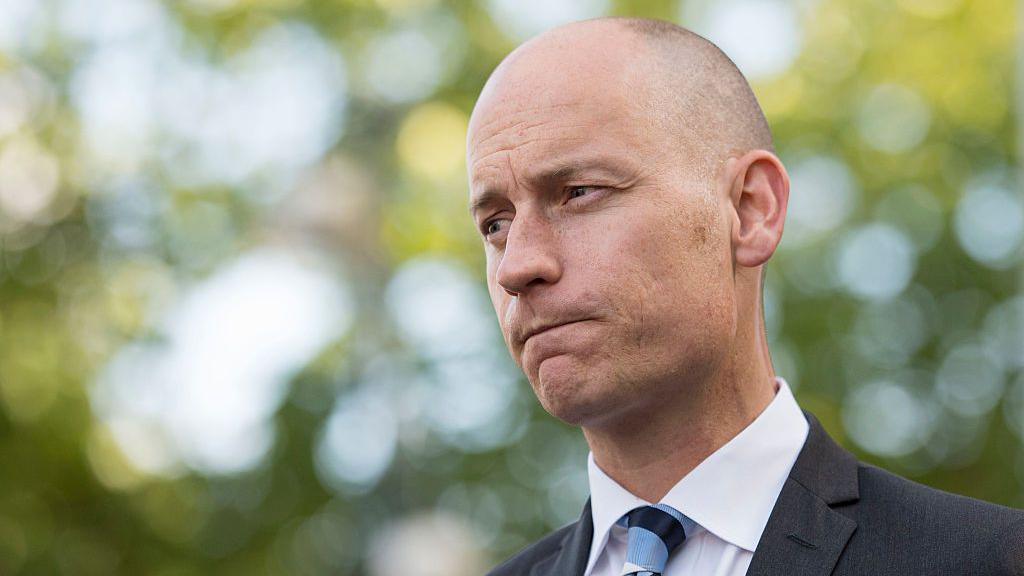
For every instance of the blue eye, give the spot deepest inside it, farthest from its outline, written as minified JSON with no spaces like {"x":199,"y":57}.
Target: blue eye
{"x":489,"y":228}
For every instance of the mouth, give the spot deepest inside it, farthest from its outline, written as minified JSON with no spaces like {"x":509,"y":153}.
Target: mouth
{"x":549,"y":328}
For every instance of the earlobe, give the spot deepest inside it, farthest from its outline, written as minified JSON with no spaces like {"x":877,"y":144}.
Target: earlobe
{"x":760,"y":195}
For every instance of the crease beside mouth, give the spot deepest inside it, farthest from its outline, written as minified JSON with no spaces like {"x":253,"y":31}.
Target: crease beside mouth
{"x":555,"y":326}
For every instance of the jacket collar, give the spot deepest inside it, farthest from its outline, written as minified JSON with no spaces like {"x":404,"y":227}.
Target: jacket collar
{"x":571,"y":558}
{"x":803,"y":537}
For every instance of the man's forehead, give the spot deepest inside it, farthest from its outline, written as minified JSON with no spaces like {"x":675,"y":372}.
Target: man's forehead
{"x":579,"y":91}
{"x":570,"y":163}
{"x":552,"y":86}
{"x":553,"y":72}
{"x":501,"y":124}
{"x":559,"y":140}
{"x":546,"y":115}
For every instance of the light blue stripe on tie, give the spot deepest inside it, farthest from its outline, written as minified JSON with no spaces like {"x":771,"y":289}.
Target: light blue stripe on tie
{"x":646,"y":549}
{"x":688,"y":525}
{"x":646,"y":553}
{"x":671,"y":511}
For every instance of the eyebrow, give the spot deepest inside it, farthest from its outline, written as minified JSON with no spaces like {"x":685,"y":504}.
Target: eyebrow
{"x":485,"y":199}
{"x":559,"y":173}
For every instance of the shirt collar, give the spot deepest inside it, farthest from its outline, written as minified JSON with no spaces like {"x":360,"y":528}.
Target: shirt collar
{"x":732,"y":492}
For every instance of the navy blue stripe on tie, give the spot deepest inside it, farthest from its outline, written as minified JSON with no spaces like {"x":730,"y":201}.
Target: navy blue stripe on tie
{"x":661,"y":523}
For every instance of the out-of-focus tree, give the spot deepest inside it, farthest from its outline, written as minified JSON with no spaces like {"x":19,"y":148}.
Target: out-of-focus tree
{"x":243,"y":327}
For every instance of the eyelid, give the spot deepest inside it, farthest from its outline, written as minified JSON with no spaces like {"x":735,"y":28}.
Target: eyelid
{"x":594,"y":187}
{"x":487,"y":224}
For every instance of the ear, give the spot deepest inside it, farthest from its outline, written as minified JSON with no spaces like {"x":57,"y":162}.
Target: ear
{"x":759,"y":193}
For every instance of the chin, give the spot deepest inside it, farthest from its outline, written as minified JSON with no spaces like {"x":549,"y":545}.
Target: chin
{"x":569,"y":392}
{"x":559,"y":386}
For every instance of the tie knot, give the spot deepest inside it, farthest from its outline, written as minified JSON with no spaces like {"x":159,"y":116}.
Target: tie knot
{"x":654,"y":532}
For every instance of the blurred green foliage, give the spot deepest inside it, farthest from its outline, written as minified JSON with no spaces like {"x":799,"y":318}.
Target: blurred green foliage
{"x":896,"y":316}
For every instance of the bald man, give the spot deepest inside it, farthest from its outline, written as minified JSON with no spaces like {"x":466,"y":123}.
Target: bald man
{"x":623,"y":182}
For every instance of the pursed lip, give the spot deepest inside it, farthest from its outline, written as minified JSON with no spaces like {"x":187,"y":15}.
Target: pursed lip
{"x":545,"y":327}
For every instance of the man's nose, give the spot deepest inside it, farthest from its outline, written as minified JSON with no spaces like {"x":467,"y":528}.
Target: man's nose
{"x":530,"y":257}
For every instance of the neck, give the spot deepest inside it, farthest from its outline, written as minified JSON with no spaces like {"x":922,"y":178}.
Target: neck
{"x":633,"y":449}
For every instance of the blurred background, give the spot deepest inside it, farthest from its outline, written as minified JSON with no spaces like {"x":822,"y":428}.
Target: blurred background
{"x":243,"y":321}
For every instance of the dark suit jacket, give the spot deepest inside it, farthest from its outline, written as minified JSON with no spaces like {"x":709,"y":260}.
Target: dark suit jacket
{"x":838,"y":516}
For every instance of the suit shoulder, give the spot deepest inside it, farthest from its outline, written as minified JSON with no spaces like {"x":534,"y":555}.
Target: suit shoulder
{"x":521,"y":563}
{"x":1007,"y":550}
{"x":951,"y":528}
{"x":883,"y":488}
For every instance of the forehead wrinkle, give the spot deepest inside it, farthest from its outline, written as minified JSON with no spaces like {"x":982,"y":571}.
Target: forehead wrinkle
{"x":506,"y":101}
{"x":523,"y":132}
{"x":518,"y":126}
{"x":522,"y":125}
{"x":512,"y":171}
{"x":560,"y":163}
{"x":482,"y":160}
{"x":486,"y":174}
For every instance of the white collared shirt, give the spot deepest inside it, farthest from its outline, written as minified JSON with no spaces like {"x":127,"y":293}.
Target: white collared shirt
{"x":729,"y":496}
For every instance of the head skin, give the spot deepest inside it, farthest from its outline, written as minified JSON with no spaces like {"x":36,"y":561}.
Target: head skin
{"x":623,"y":181}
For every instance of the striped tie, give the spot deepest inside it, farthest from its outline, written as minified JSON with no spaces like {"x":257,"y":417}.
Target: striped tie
{"x":654,"y":532}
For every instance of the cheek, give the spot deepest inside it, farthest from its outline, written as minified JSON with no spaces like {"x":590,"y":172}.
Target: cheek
{"x":504,"y":307}
{"x":499,"y":300}
{"x":671,"y":276}
{"x":501,"y":303}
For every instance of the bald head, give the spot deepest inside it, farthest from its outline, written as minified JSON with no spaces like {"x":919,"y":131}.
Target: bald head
{"x":623,"y":184}
{"x":673,"y":79}
{"x":701,"y":89}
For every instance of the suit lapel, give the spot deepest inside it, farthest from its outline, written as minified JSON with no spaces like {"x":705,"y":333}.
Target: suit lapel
{"x":571,"y":558}
{"x":804,"y":535}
